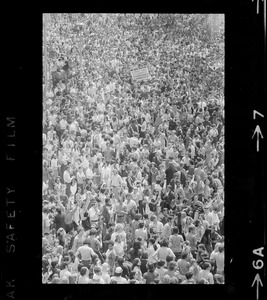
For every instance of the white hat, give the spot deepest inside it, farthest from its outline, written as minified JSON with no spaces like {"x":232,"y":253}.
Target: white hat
{"x":118,"y":270}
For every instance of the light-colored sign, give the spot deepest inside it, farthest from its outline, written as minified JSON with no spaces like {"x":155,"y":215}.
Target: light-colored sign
{"x":140,"y":74}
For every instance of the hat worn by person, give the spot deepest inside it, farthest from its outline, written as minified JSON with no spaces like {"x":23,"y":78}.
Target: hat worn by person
{"x":118,"y":270}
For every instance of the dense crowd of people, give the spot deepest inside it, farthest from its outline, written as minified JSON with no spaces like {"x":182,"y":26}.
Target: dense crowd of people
{"x":133,"y":171}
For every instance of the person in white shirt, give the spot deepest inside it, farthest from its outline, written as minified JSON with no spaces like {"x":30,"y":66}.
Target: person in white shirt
{"x":192,"y":148}
{"x":141,"y":232}
{"x":97,"y":277}
{"x":80,"y":178}
{"x":134,"y":142}
{"x":67,"y":180}
{"x":96,"y":138}
{"x":106,"y":174}
{"x":131,"y":207}
{"x":94,"y":213}
{"x":89,"y":172}
{"x":116,"y":183}
{"x":85,"y":162}
{"x":101,"y":106}
{"x":68,"y":143}
{"x":84,"y":276}
{"x":63,"y":124}
{"x":105,"y":275}
{"x":54,"y":165}
{"x":156,"y":224}
{"x":117,"y":276}
{"x":74,"y":126}
{"x":162,"y":252}
{"x":218,"y":257}
{"x":65,"y":271}
{"x":85,"y":252}
{"x":213,"y":218}
{"x":50,"y":133}
{"x":206,"y":274}
{"x":52,"y":119}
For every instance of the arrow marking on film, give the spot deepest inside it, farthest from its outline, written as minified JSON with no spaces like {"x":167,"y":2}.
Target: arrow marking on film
{"x":256,"y":112}
{"x":258,"y":280}
{"x":258,"y":131}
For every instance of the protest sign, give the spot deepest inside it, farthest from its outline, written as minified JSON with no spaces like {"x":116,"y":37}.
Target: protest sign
{"x":140,"y":74}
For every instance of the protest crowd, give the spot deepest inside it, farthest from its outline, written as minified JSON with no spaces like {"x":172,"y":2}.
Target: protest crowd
{"x":133,"y":169}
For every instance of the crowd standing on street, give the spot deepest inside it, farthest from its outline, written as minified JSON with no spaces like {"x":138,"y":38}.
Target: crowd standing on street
{"x":133,"y":171}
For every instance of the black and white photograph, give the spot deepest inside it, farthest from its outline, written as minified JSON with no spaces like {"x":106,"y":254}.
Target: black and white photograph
{"x":133,"y":148}
{"x":133,"y":151}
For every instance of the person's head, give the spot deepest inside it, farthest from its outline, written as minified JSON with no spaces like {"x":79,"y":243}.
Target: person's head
{"x":169,"y":220}
{"x":172,"y":264}
{"x":58,"y":210}
{"x":97,"y":270}
{"x":137,"y":217}
{"x":80,"y":265}
{"x":64,"y":280}
{"x":56,"y":280}
{"x":118,"y":238}
{"x":136,"y":262}
{"x":164,"y":243}
{"x":188,"y":275}
{"x":110,"y":245}
{"x":120,"y":261}
{"x":84,"y":271}
{"x":175,"y":230}
{"x":141,"y":225}
{"x":119,"y":228}
{"x":166,"y":279}
{"x":107,"y":201}
{"x":207,"y":232}
{"x":93,"y":232}
{"x":137,"y":275}
{"x":189,"y":220}
{"x":144,"y":255}
{"x":160,"y":263}
{"x":206,"y":266}
{"x":145,"y":216}
{"x":219,"y":278}
{"x":193,"y":262}
{"x":73,"y":279}
{"x":86,"y":242}
{"x":221,"y":248}
{"x":183,"y":214}
{"x":105,"y":267}
{"x":201,"y":247}
{"x":59,"y":249}
{"x":197,"y":223}
{"x":153,"y":218}
{"x":118,"y":271}
{"x":54,"y":263}
{"x":191,"y":229}
{"x":64,"y":265}
{"x":184,"y":255}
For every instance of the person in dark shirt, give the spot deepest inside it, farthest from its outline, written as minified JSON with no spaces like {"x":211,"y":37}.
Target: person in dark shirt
{"x":135,"y":251}
{"x":105,"y":210}
{"x":169,"y":173}
{"x":60,"y":219}
{"x":107,"y":237}
{"x":125,"y":269}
